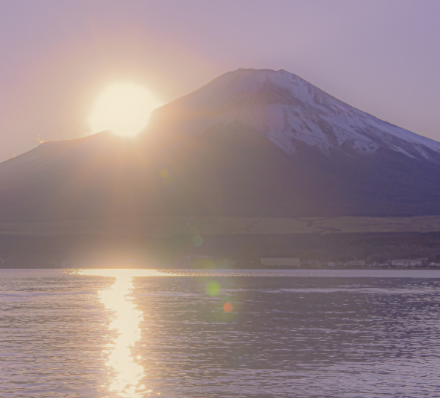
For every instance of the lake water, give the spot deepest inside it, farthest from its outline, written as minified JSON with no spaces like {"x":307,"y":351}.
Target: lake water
{"x":143,"y":333}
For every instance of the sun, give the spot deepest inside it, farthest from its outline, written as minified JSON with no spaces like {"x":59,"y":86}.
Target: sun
{"x":123,"y":108}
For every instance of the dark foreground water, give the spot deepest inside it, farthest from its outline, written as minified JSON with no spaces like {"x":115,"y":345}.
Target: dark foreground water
{"x":134,"y":333}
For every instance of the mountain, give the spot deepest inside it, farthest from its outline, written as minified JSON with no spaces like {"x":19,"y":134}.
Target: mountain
{"x":289,"y":111}
{"x":252,"y":143}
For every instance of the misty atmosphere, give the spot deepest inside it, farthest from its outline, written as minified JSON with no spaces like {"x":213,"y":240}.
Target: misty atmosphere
{"x":219,"y":199}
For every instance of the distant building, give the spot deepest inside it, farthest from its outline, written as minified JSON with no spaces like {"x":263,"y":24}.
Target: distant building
{"x":311,"y":264}
{"x":418,"y":262}
{"x":328,"y":264}
{"x":315,"y":264}
{"x":355,"y":263}
{"x":291,"y":262}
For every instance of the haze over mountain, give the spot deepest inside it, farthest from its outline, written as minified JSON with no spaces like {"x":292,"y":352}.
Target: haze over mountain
{"x":252,"y":143}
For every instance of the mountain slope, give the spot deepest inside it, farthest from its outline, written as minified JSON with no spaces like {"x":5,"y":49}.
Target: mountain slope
{"x":288,"y":109}
{"x":253,"y":143}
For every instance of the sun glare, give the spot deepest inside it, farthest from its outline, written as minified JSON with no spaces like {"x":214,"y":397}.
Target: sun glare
{"x":123,"y":109}
{"x":125,"y":321}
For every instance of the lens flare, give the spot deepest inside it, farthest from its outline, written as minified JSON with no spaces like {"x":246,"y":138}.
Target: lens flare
{"x":213,"y":288}
{"x":197,"y":240}
{"x":228,"y":307}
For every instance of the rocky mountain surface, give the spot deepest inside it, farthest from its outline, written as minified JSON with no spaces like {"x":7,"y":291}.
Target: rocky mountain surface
{"x":252,"y":143}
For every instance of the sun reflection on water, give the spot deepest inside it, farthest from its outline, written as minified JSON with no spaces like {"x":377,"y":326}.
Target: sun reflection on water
{"x":128,"y":373}
{"x":126,"y":322}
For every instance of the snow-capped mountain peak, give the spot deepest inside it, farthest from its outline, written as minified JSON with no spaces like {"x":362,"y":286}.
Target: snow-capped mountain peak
{"x":290,"y":111}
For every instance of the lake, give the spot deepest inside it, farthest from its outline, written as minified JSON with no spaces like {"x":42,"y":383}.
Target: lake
{"x":144,"y":333}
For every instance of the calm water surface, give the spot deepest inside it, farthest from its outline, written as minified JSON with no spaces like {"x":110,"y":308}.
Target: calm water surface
{"x":142,"y":333}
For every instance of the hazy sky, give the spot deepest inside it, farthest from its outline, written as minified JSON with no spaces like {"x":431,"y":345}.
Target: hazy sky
{"x":56,"y":56}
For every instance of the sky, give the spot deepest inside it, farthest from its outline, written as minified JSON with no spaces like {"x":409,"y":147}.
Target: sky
{"x":56,"y":57}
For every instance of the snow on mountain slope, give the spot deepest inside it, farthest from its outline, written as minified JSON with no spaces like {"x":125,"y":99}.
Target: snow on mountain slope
{"x":288,"y":110}
{"x":252,"y":143}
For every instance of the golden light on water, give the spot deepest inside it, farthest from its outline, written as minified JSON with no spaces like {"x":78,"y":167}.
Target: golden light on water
{"x":122,"y":108}
{"x":128,"y":376}
{"x":126,"y":319}
{"x":126,"y":322}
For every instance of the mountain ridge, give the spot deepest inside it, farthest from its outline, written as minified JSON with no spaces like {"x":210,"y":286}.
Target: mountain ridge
{"x":292,"y":109}
{"x":248,"y":144}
